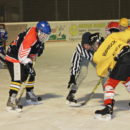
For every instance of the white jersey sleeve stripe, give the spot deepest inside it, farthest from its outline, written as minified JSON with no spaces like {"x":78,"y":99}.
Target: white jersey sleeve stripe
{"x":77,"y":58}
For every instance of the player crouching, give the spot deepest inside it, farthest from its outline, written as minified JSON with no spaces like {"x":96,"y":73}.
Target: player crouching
{"x":113,"y":56}
{"x":81,"y":58}
{"x":20,"y":56}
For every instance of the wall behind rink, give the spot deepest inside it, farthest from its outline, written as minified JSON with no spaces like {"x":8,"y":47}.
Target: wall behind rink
{"x":61,"y":30}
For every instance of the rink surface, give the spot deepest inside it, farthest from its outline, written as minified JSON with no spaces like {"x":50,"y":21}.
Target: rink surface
{"x":51,"y":84}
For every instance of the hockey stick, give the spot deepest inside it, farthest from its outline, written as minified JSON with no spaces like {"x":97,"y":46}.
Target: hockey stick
{"x":21,"y":94}
{"x":91,"y":94}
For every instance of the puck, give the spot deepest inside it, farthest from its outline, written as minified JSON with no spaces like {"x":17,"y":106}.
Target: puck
{"x":39,"y":98}
{"x":20,"y":106}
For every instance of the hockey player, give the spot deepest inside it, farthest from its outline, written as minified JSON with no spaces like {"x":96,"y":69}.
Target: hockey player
{"x":81,"y":58}
{"x":19,"y":58}
{"x":112,"y":27}
{"x":3,"y":38}
{"x":123,"y":24}
{"x":114,"y":55}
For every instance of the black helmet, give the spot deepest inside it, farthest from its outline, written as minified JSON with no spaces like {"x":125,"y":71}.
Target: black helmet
{"x":85,"y":38}
{"x":114,"y":30}
{"x":95,"y":38}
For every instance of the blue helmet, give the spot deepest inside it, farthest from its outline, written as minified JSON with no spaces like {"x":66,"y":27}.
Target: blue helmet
{"x":44,"y":27}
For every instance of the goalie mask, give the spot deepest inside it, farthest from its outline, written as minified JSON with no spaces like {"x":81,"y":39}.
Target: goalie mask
{"x":43,"y":30}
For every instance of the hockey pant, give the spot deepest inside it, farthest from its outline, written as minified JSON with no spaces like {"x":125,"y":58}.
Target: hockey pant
{"x":19,"y":74}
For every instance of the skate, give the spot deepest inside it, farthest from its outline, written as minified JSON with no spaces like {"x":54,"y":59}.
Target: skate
{"x":32,"y":99}
{"x":105,"y":114}
{"x":12,"y":105}
{"x":71,"y":101}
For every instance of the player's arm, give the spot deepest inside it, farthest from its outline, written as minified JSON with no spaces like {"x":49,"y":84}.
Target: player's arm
{"x":26,"y":46}
{"x":75,"y":68}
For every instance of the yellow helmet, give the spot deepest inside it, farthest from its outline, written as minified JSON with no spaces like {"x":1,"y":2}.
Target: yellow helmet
{"x":124,"y":22}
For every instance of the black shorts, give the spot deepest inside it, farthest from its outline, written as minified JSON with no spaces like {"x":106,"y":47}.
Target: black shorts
{"x":121,"y":71}
{"x":18,"y":72}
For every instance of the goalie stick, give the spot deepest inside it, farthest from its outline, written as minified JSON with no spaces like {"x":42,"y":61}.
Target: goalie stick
{"x":91,"y":94}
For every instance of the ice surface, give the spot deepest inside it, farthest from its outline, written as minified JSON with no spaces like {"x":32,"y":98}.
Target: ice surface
{"x":51,"y":84}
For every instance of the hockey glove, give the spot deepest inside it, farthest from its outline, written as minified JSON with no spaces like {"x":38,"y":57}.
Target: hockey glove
{"x":30,"y":70}
{"x":26,"y":61}
{"x":33,"y":57}
{"x":124,"y":51}
{"x":72,"y":81}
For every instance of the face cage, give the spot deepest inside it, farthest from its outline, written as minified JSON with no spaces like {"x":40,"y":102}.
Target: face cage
{"x":43,"y":37}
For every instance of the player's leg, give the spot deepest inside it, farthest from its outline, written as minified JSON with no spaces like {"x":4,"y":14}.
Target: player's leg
{"x":83,"y":71}
{"x":15,"y":73}
{"x":2,"y":57}
{"x":72,"y":101}
{"x":31,"y":97}
{"x":119,"y":73}
{"x":109,"y":93}
{"x":103,"y":79}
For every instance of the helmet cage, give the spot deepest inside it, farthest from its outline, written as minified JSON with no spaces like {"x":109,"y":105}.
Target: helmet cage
{"x":43,"y":29}
{"x":43,"y":37}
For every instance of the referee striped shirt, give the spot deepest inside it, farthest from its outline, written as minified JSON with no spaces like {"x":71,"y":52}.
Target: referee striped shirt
{"x":79,"y":53}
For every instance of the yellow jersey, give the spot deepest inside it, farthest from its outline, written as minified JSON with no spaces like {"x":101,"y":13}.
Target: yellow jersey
{"x":110,"y":48}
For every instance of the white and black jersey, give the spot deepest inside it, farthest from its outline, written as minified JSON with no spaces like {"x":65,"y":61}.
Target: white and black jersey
{"x":80,"y":54}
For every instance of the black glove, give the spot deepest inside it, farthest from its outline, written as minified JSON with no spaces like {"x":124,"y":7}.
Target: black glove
{"x":40,"y":50}
{"x":124,"y":50}
{"x":30,"y":70}
{"x":72,"y":81}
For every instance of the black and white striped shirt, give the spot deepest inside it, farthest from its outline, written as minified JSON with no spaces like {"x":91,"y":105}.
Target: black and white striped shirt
{"x":78,"y":55}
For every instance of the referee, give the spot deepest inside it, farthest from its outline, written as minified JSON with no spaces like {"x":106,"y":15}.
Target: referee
{"x":80,"y":60}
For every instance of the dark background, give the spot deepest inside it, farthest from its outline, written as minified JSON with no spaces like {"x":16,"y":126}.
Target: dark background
{"x":62,"y":10}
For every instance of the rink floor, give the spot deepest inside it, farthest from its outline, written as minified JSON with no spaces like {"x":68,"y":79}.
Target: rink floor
{"x":51,"y":84}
